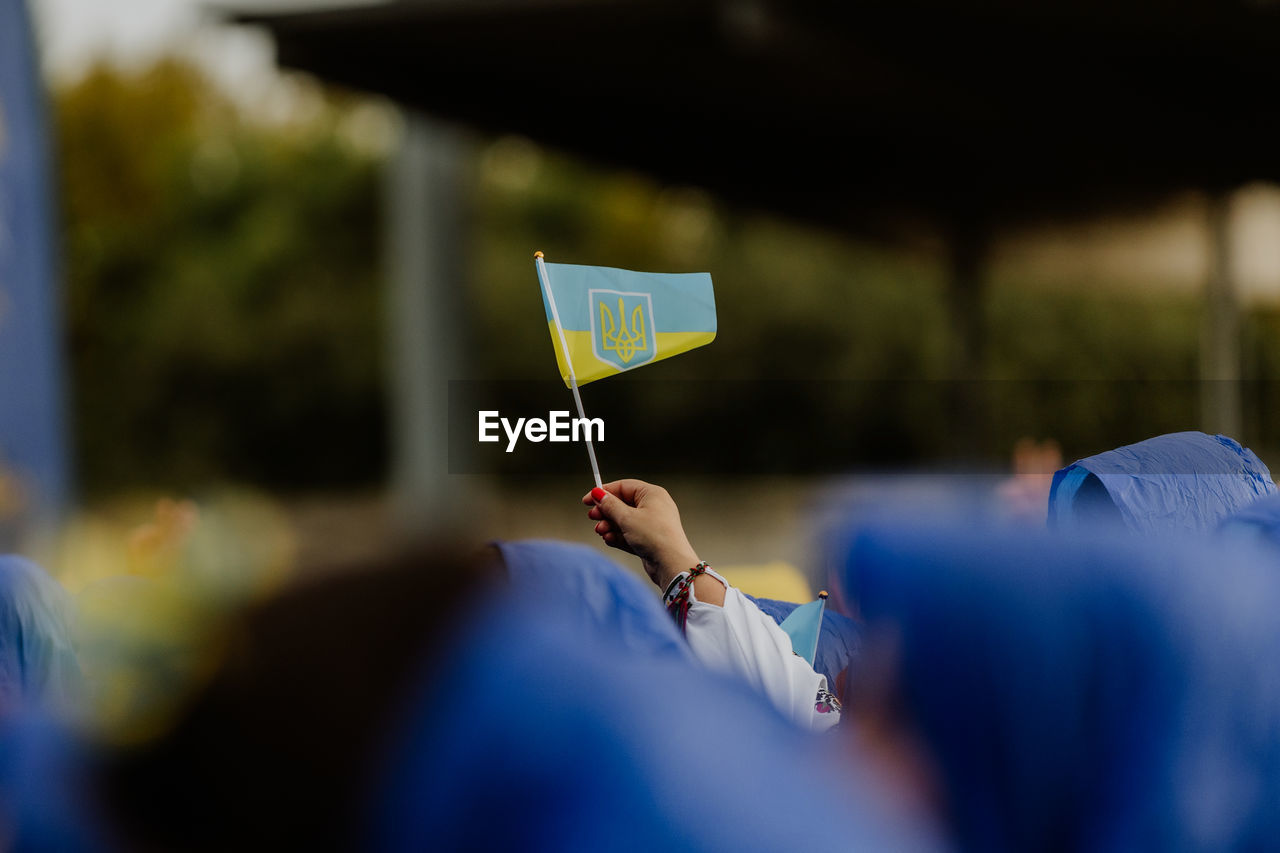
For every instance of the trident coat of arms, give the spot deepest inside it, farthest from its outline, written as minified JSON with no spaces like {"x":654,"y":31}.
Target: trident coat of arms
{"x":622,"y":332}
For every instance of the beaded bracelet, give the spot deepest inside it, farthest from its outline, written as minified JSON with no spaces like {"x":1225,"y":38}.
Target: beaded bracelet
{"x":676,"y":598}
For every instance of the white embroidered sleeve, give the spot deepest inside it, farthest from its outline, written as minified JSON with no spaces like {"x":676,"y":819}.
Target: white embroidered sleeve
{"x":741,"y":639}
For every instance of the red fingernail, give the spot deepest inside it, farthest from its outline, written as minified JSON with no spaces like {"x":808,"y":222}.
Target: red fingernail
{"x":597,"y":494}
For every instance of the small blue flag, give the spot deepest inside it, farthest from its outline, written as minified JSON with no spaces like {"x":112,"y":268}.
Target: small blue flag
{"x":803,"y":626}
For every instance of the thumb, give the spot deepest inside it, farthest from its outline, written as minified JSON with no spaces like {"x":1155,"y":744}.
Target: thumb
{"x":613,"y":508}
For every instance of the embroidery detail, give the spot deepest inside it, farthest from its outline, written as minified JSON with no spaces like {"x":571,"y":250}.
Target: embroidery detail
{"x":827,"y":702}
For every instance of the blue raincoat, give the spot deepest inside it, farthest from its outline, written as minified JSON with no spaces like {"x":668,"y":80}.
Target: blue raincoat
{"x":42,"y":767}
{"x":612,"y":601}
{"x":45,"y":798}
{"x":1183,"y":482}
{"x":1083,"y":695}
{"x":1259,"y":523}
{"x":541,"y":736}
{"x":595,"y":593}
{"x":37,"y":659}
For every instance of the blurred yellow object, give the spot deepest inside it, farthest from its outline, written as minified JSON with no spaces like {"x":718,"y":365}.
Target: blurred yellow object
{"x":778,"y":580}
{"x":144,"y":645}
{"x":153,"y":598}
{"x":156,"y":547}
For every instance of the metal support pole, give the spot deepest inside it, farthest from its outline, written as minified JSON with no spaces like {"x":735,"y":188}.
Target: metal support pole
{"x":966,"y":311}
{"x":1220,"y":399}
{"x":425,"y":197}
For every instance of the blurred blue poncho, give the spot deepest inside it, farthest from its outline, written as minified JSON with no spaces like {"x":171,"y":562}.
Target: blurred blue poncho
{"x":614,"y":602}
{"x":592,"y":591}
{"x":1083,"y":695}
{"x":37,"y":660}
{"x":1182,"y":482}
{"x":45,"y":800}
{"x":543,"y":736}
{"x":42,"y":802}
{"x":573,"y":718}
{"x":1258,"y":523}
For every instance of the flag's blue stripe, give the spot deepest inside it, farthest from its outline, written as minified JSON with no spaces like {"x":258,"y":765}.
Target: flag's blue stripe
{"x":682,"y":302}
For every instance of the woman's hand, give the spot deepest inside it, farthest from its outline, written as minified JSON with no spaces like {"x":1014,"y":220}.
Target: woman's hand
{"x":642,"y":519}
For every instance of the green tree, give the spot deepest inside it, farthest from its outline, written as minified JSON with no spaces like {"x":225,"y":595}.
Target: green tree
{"x":222,"y":288}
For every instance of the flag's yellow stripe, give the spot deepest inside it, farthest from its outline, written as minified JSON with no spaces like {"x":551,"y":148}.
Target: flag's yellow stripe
{"x":589,"y":368}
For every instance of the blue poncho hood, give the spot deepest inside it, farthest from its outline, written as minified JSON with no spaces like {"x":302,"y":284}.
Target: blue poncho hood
{"x":37,"y":658}
{"x":1184,"y":482}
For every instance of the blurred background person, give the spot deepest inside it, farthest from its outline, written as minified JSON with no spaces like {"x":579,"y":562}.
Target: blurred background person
{"x":38,"y":664}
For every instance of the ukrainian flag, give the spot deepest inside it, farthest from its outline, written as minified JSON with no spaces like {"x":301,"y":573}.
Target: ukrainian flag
{"x":617,"y":320}
{"x":803,"y":627}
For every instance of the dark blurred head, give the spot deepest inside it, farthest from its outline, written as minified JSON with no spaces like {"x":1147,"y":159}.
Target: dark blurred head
{"x":276,"y":749}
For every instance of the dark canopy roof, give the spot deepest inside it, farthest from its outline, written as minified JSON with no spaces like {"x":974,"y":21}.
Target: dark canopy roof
{"x":847,"y":114}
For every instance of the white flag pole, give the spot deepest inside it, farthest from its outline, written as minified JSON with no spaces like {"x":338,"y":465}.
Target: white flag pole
{"x":568,"y":362}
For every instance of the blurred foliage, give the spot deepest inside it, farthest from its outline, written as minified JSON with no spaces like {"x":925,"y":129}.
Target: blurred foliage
{"x":791,"y":302}
{"x":222,"y":303}
{"x":224,"y":310}
{"x":839,"y":349}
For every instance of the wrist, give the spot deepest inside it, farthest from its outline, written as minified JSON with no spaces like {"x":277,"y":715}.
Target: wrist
{"x":678,"y":595}
{"x":666,"y":568}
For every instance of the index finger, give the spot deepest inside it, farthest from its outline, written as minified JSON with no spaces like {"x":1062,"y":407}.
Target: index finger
{"x":631,"y":491}
{"x":628,"y":490}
